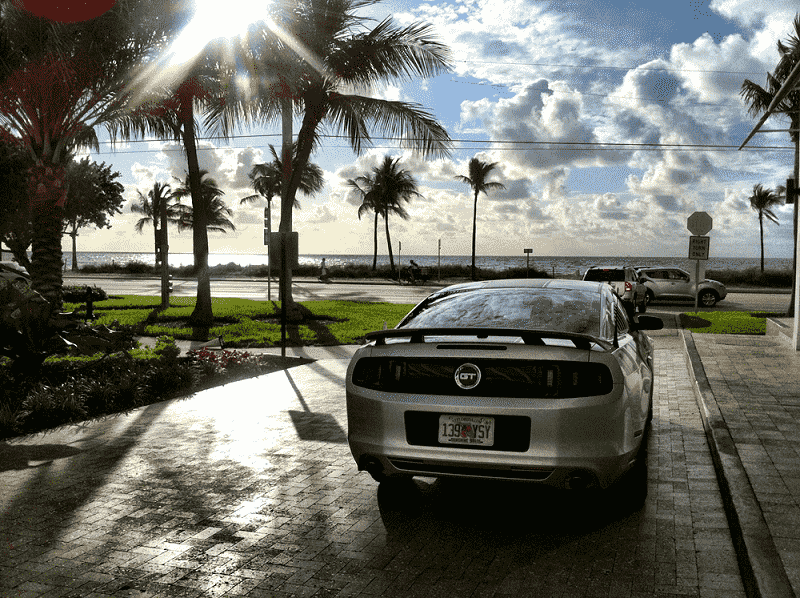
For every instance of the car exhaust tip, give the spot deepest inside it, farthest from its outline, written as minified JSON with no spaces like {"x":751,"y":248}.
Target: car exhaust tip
{"x":577,"y":482}
{"x":372,"y":466}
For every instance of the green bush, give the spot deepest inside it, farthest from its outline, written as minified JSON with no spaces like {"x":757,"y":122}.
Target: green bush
{"x":70,"y":390}
{"x":77,"y":294}
{"x":752,"y":277}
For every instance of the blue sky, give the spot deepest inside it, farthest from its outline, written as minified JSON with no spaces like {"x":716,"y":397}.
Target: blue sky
{"x":528,"y":78}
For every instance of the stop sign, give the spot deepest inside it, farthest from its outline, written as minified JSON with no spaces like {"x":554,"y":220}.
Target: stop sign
{"x":699,"y":223}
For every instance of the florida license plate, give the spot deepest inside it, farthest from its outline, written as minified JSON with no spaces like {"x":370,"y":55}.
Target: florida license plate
{"x":466,"y":429}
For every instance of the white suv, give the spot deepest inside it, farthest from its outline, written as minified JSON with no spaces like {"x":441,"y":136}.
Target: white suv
{"x":625,"y":282}
{"x":674,"y":283}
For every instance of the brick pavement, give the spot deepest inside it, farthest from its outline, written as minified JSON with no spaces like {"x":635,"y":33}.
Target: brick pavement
{"x":249,"y":490}
{"x":755,"y":384}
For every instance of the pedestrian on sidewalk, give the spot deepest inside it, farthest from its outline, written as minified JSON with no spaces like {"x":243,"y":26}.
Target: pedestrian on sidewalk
{"x":323,"y":272}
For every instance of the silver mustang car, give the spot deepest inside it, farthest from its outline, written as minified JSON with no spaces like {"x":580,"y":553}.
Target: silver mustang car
{"x":538,"y":380}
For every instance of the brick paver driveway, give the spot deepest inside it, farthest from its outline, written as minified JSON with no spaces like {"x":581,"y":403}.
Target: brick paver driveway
{"x":250,"y":490}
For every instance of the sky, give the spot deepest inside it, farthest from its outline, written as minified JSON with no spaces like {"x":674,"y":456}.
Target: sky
{"x":529,"y":76}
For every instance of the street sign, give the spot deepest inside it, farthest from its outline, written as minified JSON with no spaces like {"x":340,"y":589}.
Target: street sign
{"x":699,"y":223}
{"x":698,"y":247}
{"x":527,"y":250}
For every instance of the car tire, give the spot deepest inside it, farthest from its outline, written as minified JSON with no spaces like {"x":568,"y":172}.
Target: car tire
{"x":707,"y":298}
{"x":648,"y":297}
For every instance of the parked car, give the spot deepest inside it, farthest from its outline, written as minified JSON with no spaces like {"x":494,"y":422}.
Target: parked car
{"x":13,"y":272}
{"x":626,"y":284}
{"x":674,"y":283}
{"x":537,"y":380}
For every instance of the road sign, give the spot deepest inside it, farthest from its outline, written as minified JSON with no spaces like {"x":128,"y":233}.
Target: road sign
{"x":698,"y":247}
{"x":527,"y":250}
{"x":699,"y":223}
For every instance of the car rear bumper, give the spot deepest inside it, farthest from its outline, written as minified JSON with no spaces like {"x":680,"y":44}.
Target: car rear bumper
{"x":568,"y":443}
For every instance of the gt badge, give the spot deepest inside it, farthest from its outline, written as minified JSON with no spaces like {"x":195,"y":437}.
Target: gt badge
{"x":468,"y":376}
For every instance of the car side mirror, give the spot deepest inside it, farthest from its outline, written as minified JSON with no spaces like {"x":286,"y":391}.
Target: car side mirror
{"x":647,"y":323}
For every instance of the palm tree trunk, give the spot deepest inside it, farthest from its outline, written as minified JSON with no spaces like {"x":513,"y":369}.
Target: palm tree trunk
{"x":202,"y":317}
{"x":74,"y":235}
{"x":287,"y":201}
{"x":46,"y":256}
{"x":790,"y":312}
{"x":389,"y":242}
{"x":761,"y":226}
{"x":474,"y":231}
{"x":375,"y":253}
{"x":47,"y":192}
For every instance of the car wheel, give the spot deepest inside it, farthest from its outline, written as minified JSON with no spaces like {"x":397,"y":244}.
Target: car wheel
{"x":707,"y":298}
{"x":648,"y":297}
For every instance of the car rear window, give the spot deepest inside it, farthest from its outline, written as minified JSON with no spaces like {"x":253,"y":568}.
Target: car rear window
{"x":560,"y":310}
{"x":611,"y":275}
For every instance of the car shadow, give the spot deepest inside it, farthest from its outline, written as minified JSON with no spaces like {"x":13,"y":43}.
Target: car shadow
{"x":505,"y":511}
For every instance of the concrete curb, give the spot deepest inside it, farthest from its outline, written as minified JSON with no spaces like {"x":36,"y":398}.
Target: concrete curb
{"x":761,"y":568}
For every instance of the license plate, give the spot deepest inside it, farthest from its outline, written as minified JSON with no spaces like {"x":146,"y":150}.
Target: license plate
{"x":466,"y":429}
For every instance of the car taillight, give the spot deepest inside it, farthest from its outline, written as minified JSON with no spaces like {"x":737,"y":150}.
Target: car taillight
{"x":508,"y":378}
{"x":628,"y":287}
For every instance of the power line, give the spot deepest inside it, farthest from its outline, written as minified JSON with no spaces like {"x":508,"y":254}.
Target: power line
{"x":508,"y":141}
{"x":611,"y":68}
{"x":537,"y":146}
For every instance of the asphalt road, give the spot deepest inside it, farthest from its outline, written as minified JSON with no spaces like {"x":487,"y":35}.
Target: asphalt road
{"x":311,"y":290}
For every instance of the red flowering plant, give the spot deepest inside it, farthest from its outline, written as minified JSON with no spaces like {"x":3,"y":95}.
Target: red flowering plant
{"x":227,"y":362}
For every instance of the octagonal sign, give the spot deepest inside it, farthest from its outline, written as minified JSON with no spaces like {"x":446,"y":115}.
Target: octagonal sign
{"x":699,"y":223}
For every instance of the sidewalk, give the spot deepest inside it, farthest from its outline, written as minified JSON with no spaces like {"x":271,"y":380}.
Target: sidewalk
{"x":249,"y":491}
{"x":748,"y":391}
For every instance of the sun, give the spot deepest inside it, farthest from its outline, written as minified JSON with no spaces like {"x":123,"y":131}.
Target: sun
{"x":214,"y":20}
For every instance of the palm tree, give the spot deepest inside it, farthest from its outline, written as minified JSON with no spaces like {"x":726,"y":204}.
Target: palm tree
{"x":384,"y":191}
{"x":478,"y":172}
{"x":759,"y":99}
{"x":57,"y":82}
{"x":368,"y":204}
{"x":267,"y":180}
{"x":211,"y":210}
{"x":762,"y":201}
{"x":150,"y":208}
{"x":327,"y":57}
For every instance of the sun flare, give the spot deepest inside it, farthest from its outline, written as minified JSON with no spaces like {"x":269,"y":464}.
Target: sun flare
{"x":213,"y":20}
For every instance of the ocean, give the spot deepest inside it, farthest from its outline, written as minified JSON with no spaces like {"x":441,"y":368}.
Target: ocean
{"x":555,"y":265}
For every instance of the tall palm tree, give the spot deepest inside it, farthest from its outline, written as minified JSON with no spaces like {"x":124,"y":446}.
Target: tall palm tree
{"x":368,"y":204}
{"x":57,"y":82}
{"x":762,"y":201}
{"x":385,"y":190}
{"x":759,"y":99}
{"x":267,"y":180}
{"x":478,"y":173}
{"x":211,"y":210}
{"x":150,"y":207}
{"x":329,"y":62}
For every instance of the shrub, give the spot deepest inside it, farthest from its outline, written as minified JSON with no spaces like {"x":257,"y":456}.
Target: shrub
{"x":77,"y":294}
{"x":47,"y":406}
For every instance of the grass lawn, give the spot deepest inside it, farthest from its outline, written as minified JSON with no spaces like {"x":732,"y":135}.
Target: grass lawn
{"x":726,"y":322}
{"x":249,"y":323}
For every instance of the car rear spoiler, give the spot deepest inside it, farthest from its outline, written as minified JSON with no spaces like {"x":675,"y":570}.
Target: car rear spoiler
{"x":529,"y":337}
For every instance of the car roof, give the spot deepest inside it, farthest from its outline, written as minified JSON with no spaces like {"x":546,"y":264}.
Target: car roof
{"x":554,"y":283}
{"x":9,"y":265}
{"x":614,"y":267}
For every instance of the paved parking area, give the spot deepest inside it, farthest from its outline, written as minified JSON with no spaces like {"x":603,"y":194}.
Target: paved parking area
{"x":249,"y":490}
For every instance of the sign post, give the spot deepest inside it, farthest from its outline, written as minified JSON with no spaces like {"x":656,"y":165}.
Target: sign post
{"x":699,"y":224}
{"x":527,"y":262}
{"x":439,"y":277}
